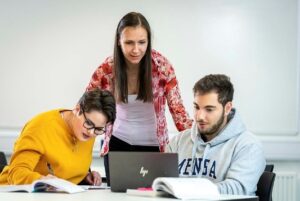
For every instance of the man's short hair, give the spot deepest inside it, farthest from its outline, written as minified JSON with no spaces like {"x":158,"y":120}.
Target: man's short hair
{"x":218,"y":83}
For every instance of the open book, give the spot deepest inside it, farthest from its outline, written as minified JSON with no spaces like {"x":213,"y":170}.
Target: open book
{"x":187,"y":188}
{"x":193,"y":188}
{"x":44,"y":185}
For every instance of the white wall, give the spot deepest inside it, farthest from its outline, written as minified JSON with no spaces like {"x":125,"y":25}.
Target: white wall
{"x":50,"y":48}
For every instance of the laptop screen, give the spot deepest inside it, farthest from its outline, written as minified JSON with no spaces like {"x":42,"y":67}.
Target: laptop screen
{"x":131,"y":170}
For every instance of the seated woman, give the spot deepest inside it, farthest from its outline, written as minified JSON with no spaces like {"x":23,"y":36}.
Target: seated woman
{"x":59,"y":143}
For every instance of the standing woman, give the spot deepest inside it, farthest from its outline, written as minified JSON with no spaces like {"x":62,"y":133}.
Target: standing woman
{"x":142,"y":81}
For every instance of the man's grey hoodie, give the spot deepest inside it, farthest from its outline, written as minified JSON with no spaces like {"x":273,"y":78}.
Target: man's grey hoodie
{"x":233,"y":160}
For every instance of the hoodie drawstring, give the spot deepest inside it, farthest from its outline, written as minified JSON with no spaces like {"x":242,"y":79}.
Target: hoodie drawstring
{"x":194,"y":150}
{"x":194,"y":154}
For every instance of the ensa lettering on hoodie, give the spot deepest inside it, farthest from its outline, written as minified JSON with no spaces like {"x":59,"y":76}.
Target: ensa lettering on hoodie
{"x":209,"y":167}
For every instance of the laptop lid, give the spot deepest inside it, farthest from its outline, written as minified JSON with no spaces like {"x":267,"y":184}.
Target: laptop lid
{"x":131,"y":170}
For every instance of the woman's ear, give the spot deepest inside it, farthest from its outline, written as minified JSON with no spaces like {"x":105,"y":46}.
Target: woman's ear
{"x":228,"y":107}
{"x":77,"y":110}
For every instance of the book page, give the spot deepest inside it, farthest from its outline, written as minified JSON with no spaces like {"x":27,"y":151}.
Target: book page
{"x":44,"y":185}
{"x":16,"y":188}
{"x":187,"y":188}
{"x":56,"y":185}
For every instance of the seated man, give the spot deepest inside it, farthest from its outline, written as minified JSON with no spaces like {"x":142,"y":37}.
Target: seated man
{"x":218,"y":146}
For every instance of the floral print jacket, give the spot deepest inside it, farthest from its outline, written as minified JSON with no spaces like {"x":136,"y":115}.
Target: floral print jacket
{"x":165,"y":89}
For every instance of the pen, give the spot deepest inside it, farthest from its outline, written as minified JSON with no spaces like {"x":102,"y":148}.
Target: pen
{"x":50,"y":169}
{"x":92,"y":177}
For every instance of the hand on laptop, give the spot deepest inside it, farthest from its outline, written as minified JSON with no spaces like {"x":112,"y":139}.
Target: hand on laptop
{"x":93,"y":178}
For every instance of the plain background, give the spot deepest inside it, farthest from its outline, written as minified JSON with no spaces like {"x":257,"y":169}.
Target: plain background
{"x":49,"y":50}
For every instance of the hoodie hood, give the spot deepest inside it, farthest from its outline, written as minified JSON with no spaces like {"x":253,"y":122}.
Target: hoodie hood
{"x":233,"y":160}
{"x":233,"y":128}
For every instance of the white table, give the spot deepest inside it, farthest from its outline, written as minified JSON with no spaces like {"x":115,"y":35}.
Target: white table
{"x":91,"y":195}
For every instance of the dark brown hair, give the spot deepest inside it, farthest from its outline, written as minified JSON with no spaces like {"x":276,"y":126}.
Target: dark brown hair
{"x":218,"y":83}
{"x":99,"y":100}
{"x":145,"y":93}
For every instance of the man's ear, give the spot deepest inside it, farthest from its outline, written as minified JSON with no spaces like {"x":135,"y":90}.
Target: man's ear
{"x":228,"y":107}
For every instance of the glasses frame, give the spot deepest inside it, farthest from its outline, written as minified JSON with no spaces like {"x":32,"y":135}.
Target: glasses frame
{"x":89,"y":125}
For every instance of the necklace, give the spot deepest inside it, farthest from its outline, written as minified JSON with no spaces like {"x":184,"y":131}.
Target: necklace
{"x":73,"y":139}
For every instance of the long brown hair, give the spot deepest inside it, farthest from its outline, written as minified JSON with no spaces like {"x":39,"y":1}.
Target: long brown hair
{"x":145,"y":93}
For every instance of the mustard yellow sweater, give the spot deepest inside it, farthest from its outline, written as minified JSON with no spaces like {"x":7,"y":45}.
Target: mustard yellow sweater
{"x":45,"y":139}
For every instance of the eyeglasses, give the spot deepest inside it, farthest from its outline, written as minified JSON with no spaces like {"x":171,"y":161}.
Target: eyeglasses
{"x":89,"y":125}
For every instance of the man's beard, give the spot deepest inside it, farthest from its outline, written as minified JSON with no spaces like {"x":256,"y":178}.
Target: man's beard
{"x":216,"y":127}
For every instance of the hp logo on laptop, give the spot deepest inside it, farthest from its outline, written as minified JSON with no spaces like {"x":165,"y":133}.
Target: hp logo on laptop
{"x":143,"y":171}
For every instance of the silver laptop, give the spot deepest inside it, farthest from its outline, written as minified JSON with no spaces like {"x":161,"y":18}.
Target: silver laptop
{"x":131,"y":170}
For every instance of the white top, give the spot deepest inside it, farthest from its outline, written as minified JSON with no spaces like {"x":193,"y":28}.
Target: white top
{"x":136,"y":122}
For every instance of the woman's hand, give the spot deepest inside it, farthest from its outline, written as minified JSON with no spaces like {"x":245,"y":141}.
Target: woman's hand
{"x":49,"y":176}
{"x":93,"y":178}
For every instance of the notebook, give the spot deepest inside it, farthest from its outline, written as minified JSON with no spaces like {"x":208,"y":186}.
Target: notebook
{"x":131,"y":170}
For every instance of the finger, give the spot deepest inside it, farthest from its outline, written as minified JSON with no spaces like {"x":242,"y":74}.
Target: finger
{"x":94,"y":177}
{"x":49,"y":176}
{"x":89,"y":179}
{"x":97,"y":178}
{"x":97,"y":182}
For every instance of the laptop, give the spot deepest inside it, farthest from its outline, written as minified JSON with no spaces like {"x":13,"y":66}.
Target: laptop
{"x":131,"y":170}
